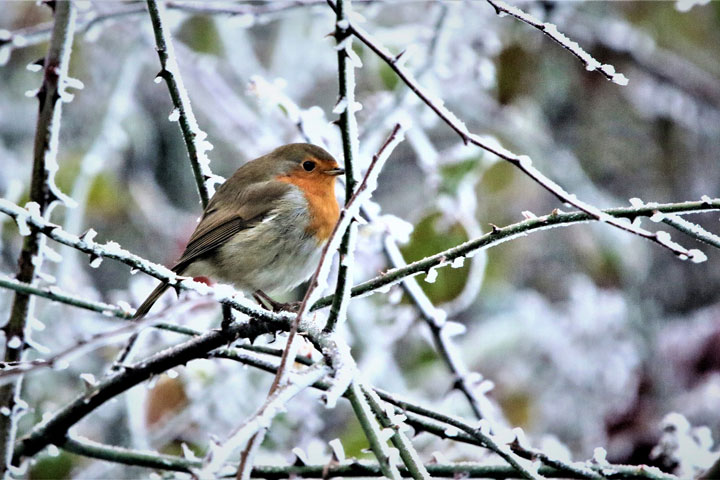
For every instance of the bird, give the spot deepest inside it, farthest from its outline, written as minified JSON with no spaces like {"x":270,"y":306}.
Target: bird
{"x":264,"y":229}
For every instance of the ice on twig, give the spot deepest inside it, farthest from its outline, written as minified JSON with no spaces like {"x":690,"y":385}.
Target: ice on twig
{"x":14,"y":343}
{"x":174,"y":115}
{"x":337,"y":449}
{"x":657,"y":217}
{"x":697,"y":256}
{"x":340,"y":106}
{"x":458,"y":262}
{"x":453,"y":329}
{"x":386,"y":434}
{"x":89,"y":379}
{"x":432,"y":275}
{"x":22,"y":225}
{"x":452,"y":432}
{"x":600,"y":456}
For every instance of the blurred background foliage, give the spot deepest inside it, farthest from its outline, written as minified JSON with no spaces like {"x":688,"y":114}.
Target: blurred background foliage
{"x":588,"y":335}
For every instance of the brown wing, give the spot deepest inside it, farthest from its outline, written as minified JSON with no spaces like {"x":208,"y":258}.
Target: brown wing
{"x":238,"y":212}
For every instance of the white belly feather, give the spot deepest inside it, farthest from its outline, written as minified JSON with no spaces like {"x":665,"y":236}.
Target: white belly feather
{"x":277,"y":254}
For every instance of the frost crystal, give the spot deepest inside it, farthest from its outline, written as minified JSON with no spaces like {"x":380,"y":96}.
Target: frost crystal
{"x":22,"y":225}
{"x":340,"y":106}
{"x":431,"y":276}
{"x":174,"y":115}
{"x":524,"y":161}
{"x":600,"y":456}
{"x":458,"y":262}
{"x":4,"y":55}
{"x":14,"y":343}
{"x":95,"y":262}
{"x":53,"y":451}
{"x":338,"y":450}
{"x":89,"y":379}
{"x":697,"y":256}
{"x":657,"y":217}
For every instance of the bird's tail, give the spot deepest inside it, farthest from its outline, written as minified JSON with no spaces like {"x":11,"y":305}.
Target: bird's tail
{"x":150,"y":301}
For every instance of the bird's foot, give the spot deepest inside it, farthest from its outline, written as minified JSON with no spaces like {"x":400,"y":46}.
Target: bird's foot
{"x":263,"y":299}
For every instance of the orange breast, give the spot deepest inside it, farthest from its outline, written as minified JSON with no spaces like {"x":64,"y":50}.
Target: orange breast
{"x":319,"y":190}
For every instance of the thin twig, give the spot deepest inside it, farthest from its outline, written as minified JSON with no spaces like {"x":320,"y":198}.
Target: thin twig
{"x":426,"y":420}
{"x":369,"y":425}
{"x":522,"y":162}
{"x":591,"y":64}
{"x":348,"y":132}
{"x":195,"y":138}
{"x":13,"y":369}
{"x":57,"y":295}
{"x":44,"y":193}
{"x":407,"y":451}
{"x":501,"y":235}
{"x":275,"y":403}
{"x":692,"y":229}
{"x":342,"y":296}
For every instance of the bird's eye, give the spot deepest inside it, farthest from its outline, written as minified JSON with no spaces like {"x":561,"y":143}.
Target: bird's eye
{"x":308,"y":166}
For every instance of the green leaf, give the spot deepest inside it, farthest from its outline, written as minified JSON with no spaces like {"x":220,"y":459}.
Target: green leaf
{"x":200,"y":34}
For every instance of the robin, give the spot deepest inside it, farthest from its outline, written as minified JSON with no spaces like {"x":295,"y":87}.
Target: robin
{"x":264,"y":229}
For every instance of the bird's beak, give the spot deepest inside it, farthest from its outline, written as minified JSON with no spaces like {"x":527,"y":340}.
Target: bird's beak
{"x":335,"y":171}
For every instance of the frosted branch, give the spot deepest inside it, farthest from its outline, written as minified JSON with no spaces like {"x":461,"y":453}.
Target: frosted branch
{"x":372,"y":432}
{"x":501,"y":235}
{"x":342,"y":295}
{"x":522,"y":162}
{"x":350,"y":469}
{"x":549,"y":29}
{"x":43,"y":195}
{"x":395,"y":424}
{"x":195,"y":138}
{"x":349,"y":135}
{"x":261,"y":420}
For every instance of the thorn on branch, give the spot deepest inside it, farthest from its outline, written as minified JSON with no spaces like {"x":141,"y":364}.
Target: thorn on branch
{"x":397,"y":57}
{"x":163,"y":74}
{"x":495,"y":228}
